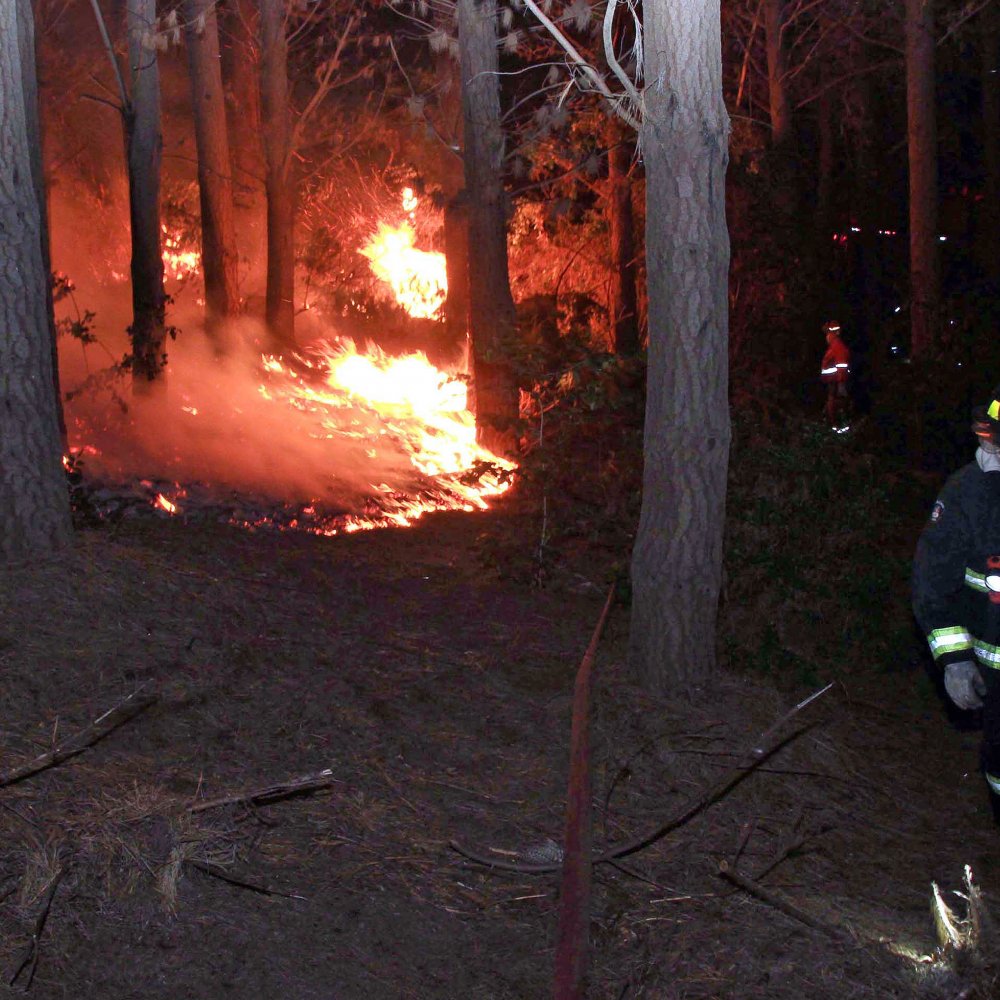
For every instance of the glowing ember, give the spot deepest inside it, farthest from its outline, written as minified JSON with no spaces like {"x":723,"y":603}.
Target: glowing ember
{"x":164,"y":504}
{"x":418,"y":278}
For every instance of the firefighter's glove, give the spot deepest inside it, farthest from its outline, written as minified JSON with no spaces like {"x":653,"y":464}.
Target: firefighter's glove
{"x":964,"y":684}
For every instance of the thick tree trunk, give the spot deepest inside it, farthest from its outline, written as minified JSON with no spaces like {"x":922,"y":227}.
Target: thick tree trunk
{"x":677,"y":559}
{"x":922,"y":136}
{"x":218,"y":233}
{"x":279,"y":307}
{"x":989,"y":223}
{"x":34,"y":503}
{"x":30,"y":49}
{"x":623,"y":297}
{"x":143,"y":150}
{"x":491,"y":306}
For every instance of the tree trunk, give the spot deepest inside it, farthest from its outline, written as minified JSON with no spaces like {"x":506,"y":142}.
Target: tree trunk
{"x":240,"y":74}
{"x":777,"y":67}
{"x":491,"y":306}
{"x":34,"y":503}
{"x":456,"y":256}
{"x":31,"y":48}
{"x":989,"y":223}
{"x":922,"y":137}
{"x":143,"y":150}
{"x":677,"y":559}
{"x":279,"y":307}
{"x":218,"y":234}
{"x":623,"y":298}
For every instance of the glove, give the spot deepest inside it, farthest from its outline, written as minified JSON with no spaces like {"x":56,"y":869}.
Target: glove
{"x":964,"y":684}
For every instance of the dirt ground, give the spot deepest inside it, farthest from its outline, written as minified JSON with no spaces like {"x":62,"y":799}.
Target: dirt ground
{"x":438,"y":696}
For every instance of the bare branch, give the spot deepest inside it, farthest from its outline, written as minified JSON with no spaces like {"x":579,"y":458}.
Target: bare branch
{"x":109,"y":48}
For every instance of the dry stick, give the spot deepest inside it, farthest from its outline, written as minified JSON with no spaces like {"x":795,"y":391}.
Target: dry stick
{"x":96,"y":731}
{"x":260,"y":796}
{"x":217,"y":871}
{"x":780,"y":903}
{"x":574,"y":898}
{"x":30,"y":958}
{"x":736,"y":774}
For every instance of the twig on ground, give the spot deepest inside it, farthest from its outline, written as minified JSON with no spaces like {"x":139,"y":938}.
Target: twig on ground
{"x":29,"y":960}
{"x":780,"y":903}
{"x":217,"y":871}
{"x":103,"y":725}
{"x":751,"y":760}
{"x":260,"y":796}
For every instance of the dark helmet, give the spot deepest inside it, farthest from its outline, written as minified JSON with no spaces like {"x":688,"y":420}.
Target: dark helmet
{"x":986,"y":419}
{"x":831,"y":327}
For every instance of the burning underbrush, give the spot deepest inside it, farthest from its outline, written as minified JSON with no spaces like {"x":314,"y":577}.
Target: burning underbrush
{"x":339,"y":440}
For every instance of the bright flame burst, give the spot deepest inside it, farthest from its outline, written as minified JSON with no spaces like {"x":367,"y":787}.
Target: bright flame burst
{"x":418,"y":278}
{"x":419,"y":408}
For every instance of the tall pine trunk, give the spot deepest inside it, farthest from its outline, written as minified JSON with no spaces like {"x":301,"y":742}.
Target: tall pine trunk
{"x":143,"y":151}
{"x":922,"y":137}
{"x":218,"y":233}
{"x":491,"y":306}
{"x":623,"y":297}
{"x":279,"y":306}
{"x":677,"y":558}
{"x":34,"y":504}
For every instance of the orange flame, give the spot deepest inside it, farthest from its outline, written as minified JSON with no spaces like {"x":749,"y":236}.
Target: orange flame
{"x":418,"y":278}
{"x":416,"y":407}
{"x":178,"y":263}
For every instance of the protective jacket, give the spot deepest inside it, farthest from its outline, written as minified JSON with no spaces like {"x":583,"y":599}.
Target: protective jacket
{"x":836,"y":363}
{"x":956,"y":571}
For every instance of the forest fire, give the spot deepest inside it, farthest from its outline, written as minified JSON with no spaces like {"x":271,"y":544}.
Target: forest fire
{"x":418,"y":278}
{"x":342,"y":441}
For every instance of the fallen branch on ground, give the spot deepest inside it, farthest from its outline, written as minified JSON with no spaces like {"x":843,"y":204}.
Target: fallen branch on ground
{"x":260,"y":796}
{"x":96,"y":731}
{"x":748,"y":763}
{"x":217,"y":871}
{"x":780,"y":903}
{"x":29,"y":960}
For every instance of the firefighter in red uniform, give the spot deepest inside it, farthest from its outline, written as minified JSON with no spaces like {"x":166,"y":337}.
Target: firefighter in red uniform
{"x":835,"y":373}
{"x":956,"y":586}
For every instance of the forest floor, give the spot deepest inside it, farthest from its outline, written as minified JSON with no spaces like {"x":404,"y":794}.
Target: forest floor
{"x":437,"y":695}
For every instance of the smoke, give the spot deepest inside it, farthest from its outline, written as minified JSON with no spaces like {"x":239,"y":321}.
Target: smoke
{"x":235,"y":425}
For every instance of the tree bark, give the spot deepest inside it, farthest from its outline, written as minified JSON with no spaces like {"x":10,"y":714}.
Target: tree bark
{"x":143,"y":151}
{"x":218,"y":233}
{"x":31,"y":49}
{"x":623,"y":297}
{"x":922,"y":140}
{"x":240,"y":73}
{"x":279,"y":184}
{"x":34,"y":503}
{"x":677,"y":559}
{"x":777,"y":66}
{"x":456,"y":256}
{"x":491,"y":305}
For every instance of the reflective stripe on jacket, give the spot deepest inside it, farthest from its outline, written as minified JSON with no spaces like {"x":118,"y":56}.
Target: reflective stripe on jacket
{"x":956,"y":570}
{"x":836,"y":363}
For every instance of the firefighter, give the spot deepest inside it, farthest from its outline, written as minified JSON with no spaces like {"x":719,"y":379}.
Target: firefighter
{"x":956,"y":586}
{"x":835,"y":373}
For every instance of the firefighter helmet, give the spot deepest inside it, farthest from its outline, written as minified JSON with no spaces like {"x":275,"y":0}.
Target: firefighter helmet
{"x":986,"y":419}
{"x":831,"y":327}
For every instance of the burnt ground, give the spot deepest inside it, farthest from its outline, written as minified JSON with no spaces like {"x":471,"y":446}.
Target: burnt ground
{"x":438,"y":695}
